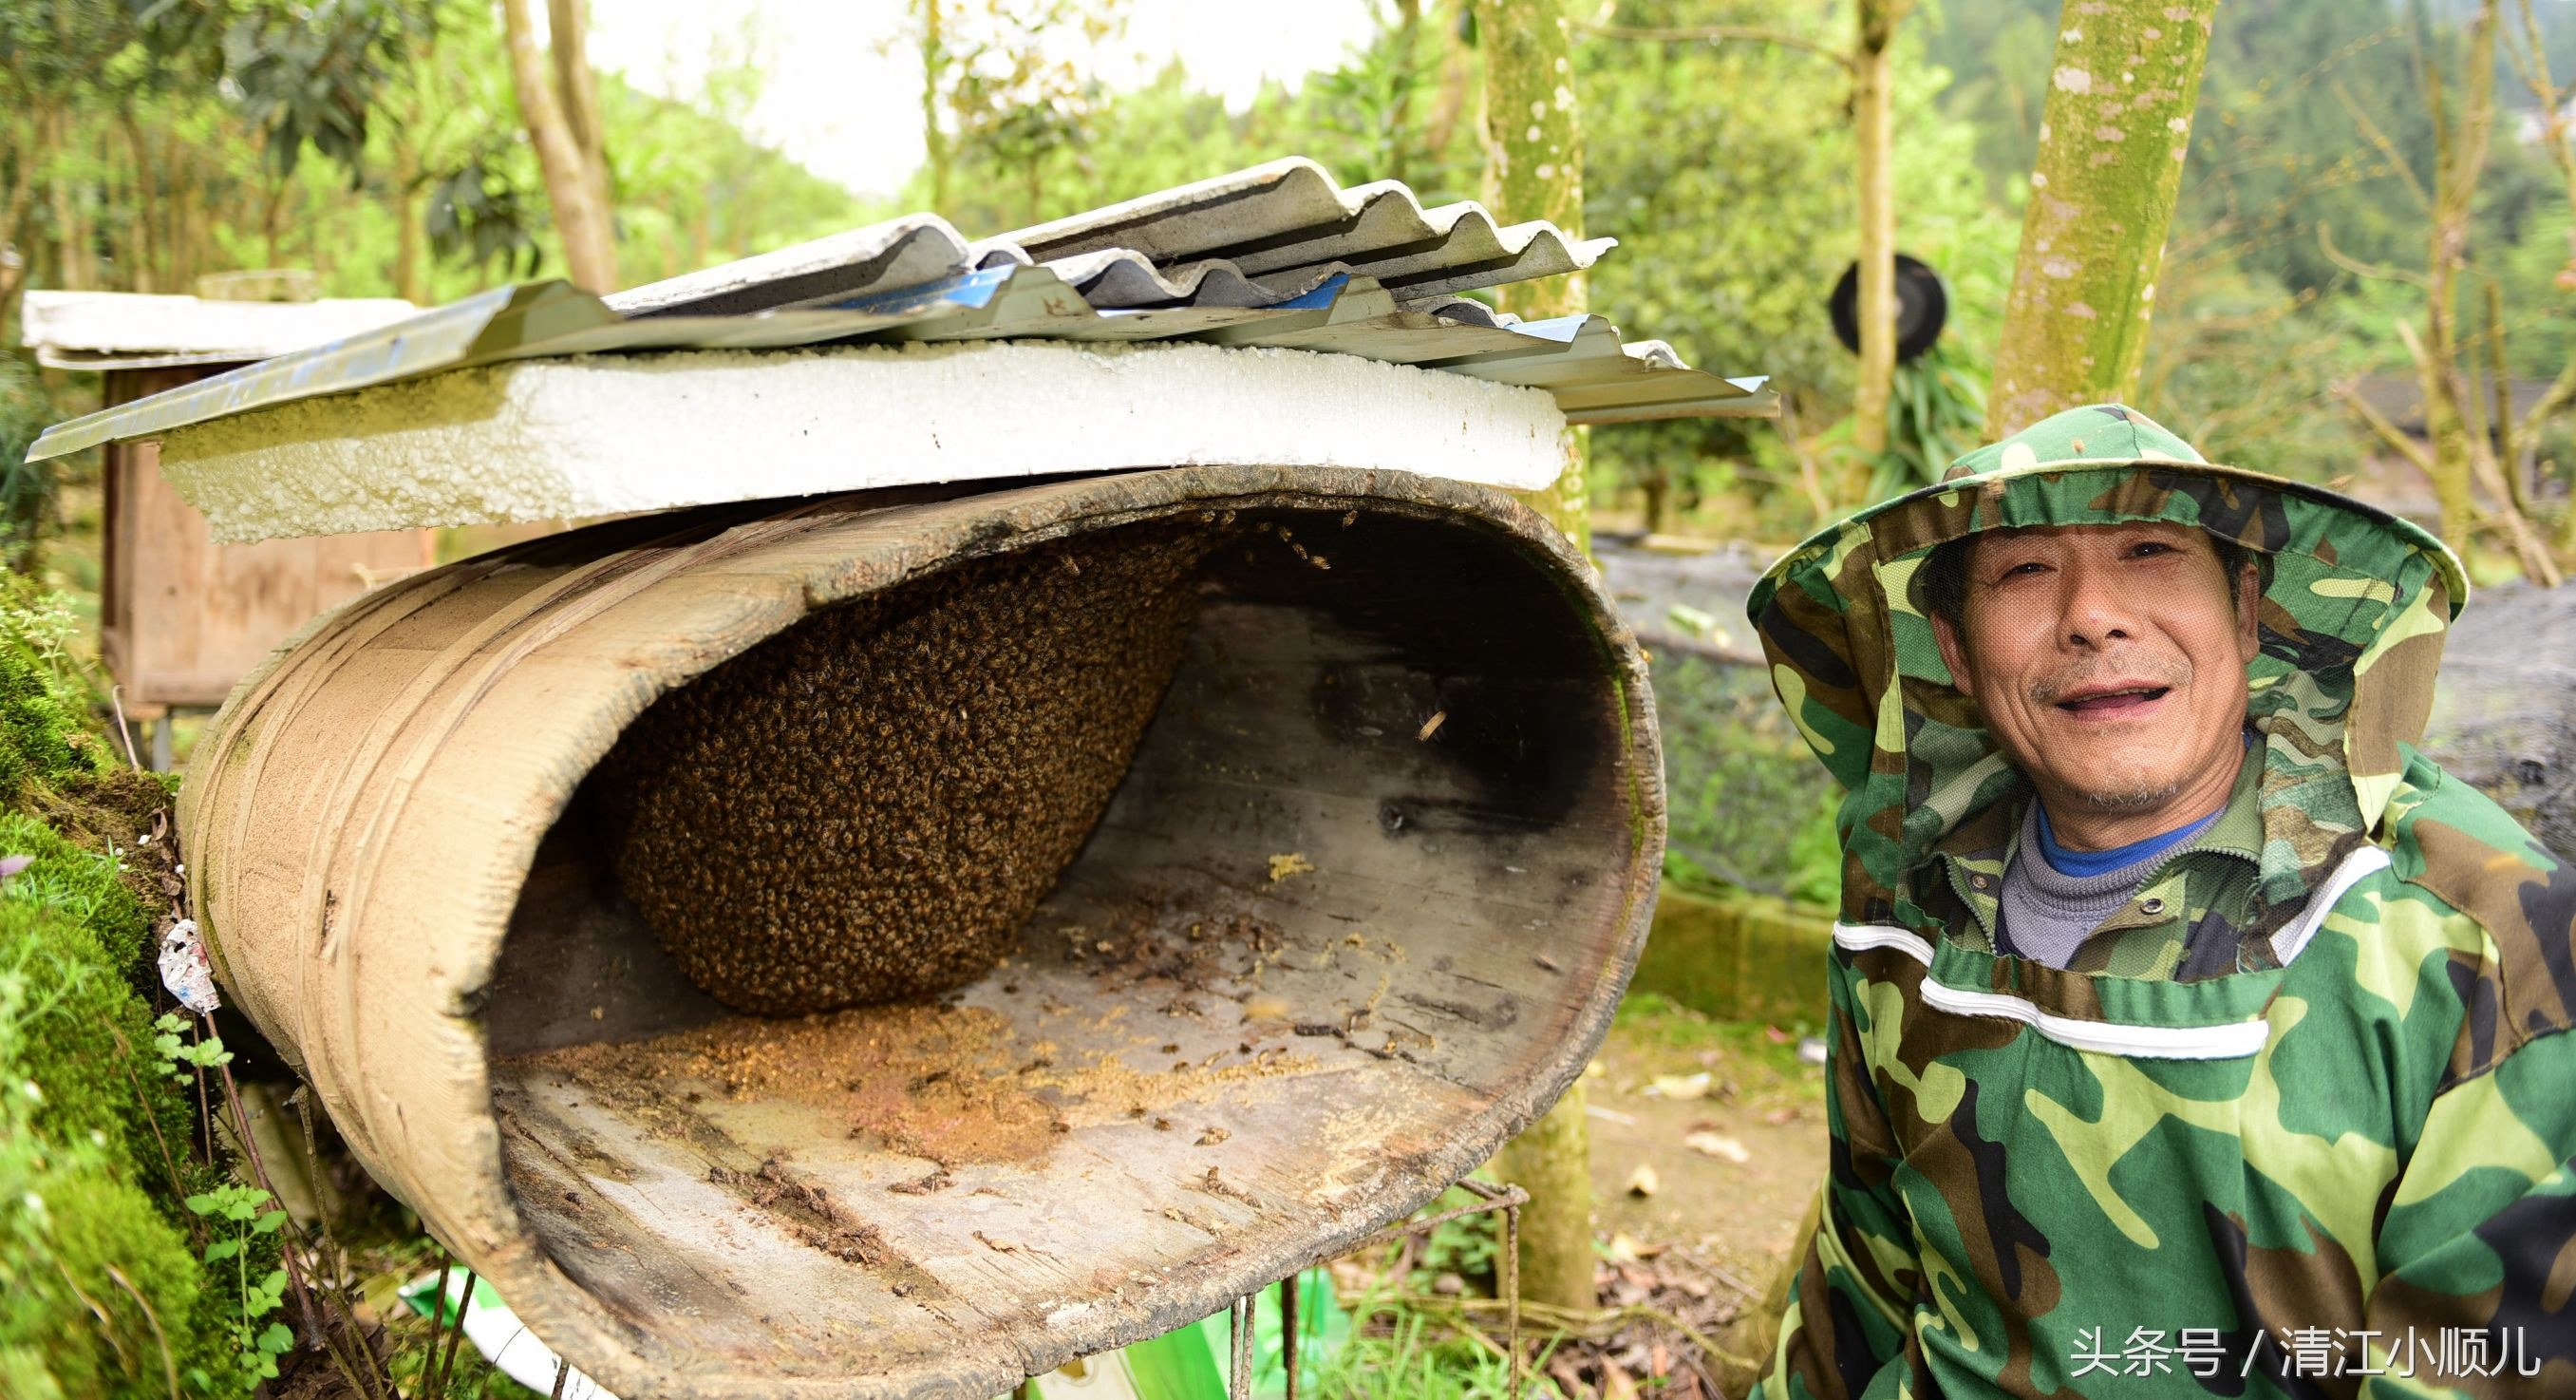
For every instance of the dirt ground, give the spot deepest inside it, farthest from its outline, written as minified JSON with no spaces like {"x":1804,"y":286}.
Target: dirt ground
{"x":1739,"y":1216}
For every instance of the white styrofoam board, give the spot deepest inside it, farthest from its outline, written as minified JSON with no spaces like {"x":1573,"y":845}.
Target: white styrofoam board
{"x":87,"y":329}
{"x":538,"y":440}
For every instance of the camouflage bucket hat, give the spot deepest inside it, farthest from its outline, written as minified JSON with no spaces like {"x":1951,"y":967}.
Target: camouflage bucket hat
{"x":2352,"y":620}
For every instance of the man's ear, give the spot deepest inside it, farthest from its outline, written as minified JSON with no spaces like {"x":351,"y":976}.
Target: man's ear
{"x":1954,"y":654}
{"x":2249,"y":604}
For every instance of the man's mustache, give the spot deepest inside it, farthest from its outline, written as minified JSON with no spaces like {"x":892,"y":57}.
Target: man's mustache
{"x":2171,"y":673}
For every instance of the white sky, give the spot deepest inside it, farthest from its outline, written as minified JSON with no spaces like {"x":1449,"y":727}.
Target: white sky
{"x":843,"y":93}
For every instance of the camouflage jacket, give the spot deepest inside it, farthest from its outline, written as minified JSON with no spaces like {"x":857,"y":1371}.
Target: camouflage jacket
{"x":2335,"y":1161}
{"x":2187,"y":920}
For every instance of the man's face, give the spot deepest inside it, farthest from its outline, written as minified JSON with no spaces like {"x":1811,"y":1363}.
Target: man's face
{"x":2109,"y":663}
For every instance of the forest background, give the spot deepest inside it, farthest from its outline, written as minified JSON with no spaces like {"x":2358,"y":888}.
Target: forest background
{"x":380,"y":144}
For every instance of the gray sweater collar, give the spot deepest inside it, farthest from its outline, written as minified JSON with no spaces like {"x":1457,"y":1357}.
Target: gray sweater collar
{"x":2047,"y":914}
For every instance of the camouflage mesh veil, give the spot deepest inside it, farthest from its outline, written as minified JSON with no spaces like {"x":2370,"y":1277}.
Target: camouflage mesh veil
{"x":2352,"y":625}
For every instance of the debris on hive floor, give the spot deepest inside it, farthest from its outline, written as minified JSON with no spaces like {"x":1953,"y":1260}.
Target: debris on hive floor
{"x":952,"y":1085}
{"x":864,"y":808}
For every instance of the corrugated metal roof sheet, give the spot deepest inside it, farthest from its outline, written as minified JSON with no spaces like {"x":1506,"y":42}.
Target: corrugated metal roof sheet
{"x":1277,"y":255}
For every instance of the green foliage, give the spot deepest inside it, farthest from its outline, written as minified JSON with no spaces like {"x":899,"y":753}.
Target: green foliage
{"x":1936,"y":414}
{"x":479,"y":217}
{"x":693,"y":189}
{"x":248,"y":1228}
{"x":1401,"y":106}
{"x":1422,"y":1358}
{"x":1682,"y":139}
{"x":44,"y":735}
{"x":2273,"y":288}
{"x":174,"y":133}
{"x":313,"y":75}
{"x":1467,"y":1246}
{"x":27,"y":489}
{"x":1734,"y":768}
{"x":1379,"y":116}
{"x":2245,"y":370}
{"x":1677,"y":134}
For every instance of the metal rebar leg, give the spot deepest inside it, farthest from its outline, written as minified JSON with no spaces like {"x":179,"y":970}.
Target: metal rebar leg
{"x":1238,"y":1370}
{"x":1289,"y":1341}
{"x":1511,"y":1281}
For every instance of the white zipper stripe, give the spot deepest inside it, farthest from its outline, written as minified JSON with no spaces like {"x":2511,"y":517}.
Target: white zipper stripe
{"x":2233,"y":1040}
{"x":1860,"y":938}
{"x":2363,"y":862}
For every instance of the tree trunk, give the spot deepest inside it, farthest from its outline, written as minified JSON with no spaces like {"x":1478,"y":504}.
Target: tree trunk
{"x":408,"y":240}
{"x":1873,"y":141}
{"x":16,"y":207}
{"x":272,"y":218}
{"x":568,"y":25}
{"x":142,"y":249}
{"x":2112,"y":141}
{"x":71,"y":232}
{"x":1534,"y":170}
{"x":2459,"y":157}
{"x":1456,"y":79}
{"x":1399,"y":117}
{"x":934,"y":76}
{"x":589,"y":242}
{"x":1552,"y":1160}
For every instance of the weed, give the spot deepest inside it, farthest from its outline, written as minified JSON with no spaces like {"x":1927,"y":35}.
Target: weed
{"x":1466,"y":1246}
{"x":1413,"y":1356}
{"x":250,"y":1213}
{"x":204,"y":1054}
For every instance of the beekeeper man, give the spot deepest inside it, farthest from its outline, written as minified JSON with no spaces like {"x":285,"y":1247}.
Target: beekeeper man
{"x":2191,"y":1033}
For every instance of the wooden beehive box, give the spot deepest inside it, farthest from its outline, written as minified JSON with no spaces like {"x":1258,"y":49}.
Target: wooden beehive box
{"x":182,"y":618}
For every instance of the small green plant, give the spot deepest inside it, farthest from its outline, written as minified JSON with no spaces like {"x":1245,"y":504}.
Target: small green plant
{"x":1936,"y":415}
{"x":251,"y":1214}
{"x":47,"y":624}
{"x":1465,"y":1246}
{"x":175,"y":1051}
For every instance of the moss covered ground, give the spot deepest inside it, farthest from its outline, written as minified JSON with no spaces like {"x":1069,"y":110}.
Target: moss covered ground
{"x":102,"y":1292}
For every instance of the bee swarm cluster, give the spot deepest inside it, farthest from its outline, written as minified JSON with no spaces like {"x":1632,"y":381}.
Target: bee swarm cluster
{"x":866,"y":807}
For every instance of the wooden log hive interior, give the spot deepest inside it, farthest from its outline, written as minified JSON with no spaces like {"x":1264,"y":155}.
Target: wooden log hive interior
{"x":1315,"y":873}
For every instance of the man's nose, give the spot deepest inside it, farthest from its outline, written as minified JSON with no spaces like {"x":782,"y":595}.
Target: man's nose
{"x":2095,"y":607}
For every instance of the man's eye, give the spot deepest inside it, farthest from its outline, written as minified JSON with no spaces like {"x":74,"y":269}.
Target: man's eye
{"x":2148,"y":547}
{"x":2026,"y":567}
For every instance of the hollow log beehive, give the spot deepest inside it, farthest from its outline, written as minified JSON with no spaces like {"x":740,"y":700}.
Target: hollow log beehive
{"x":1360,"y":901}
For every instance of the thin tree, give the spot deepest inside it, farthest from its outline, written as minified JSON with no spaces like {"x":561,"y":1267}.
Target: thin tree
{"x":1534,"y":166}
{"x":558,"y":103}
{"x":568,"y":35}
{"x":1873,"y":151}
{"x":1870,"y":63}
{"x":1534,"y":170}
{"x":2530,"y":60}
{"x":2460,"y":455}
{"x":2460,"y":143}
{"x":2113,"y":136}
{"x":935,"y":63}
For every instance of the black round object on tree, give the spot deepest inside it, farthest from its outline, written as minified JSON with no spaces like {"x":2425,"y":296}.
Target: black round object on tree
{"x":1922,"y":306}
